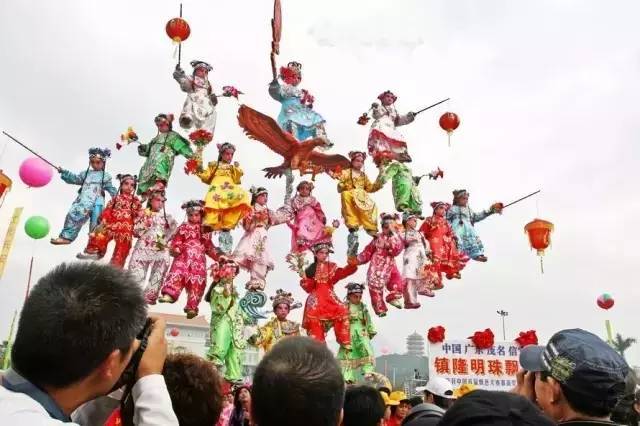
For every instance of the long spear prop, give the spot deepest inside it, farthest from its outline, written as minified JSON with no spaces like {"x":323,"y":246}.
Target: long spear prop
{"x":30,"y":150}
{"x":431,"y":106}
{"x":276,"y":34}
{"x":521,"y":199}
{"x":179,"y":44}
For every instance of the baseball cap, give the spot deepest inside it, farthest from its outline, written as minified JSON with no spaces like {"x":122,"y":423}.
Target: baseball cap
{"x":582,"y":362}
{"x":482,"y":407}
{"x":438,"y":386}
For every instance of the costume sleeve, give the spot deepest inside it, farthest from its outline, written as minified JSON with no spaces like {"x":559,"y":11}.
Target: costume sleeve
{"x":343,"y":181}
{"x":177,"y":240}
{"x":105,"y":216}
{"x":426,"y":229}
{"x":108,"y":185}
{"x":140,"y":225}
{"x":477,"y":217}
{"x":186,"y":83}
{"x":72,"y":178}
{"x":404,"y":119}
{"x":278,"y":217}
{"x":317,"y":207}
{"x":376,"y":185}
{"x":365,"y":255}
{"x":308,"y":284}
{"x":371,"y":329}
{"x":236,"y":174}
{"x":210,"y":250}
{"x":206,"y":175}
{"x":181,"y":146}
{"x":396,"y":245}
{"x":144,"y":149}
{"x":274,"y":90}
{"x":451,"y":214}
{"x":378,"y":112}
{"x":342,"y":273}
{"x":152,"y":402}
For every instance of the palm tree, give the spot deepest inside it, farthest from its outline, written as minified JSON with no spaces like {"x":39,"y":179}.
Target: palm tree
{"x":621,"y":344}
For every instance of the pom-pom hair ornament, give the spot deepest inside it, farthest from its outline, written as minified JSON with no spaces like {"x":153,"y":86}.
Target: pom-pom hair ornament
{"x":436,"y":334}
{"x":527,"y":338}
{"x":483,"y":339}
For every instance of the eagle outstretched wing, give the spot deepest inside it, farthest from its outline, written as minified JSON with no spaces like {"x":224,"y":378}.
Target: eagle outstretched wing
{"x":328,"y":161}
{"x":264,"y":129}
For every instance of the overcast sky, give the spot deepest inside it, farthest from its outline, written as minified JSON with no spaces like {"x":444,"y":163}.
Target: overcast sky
{"x":547,"y":92}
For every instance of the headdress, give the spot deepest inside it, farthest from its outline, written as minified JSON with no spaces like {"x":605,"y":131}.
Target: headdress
{"x":353,"y":288}
{"x":224,"y":146}
{"x":256,"y":191}
{"x":437,"y":204}
{"x":303,"y":183}
{"x":460,"y":193}
{"x":157,"y":193}
{"x":282,"y":297}
{"x":406,"y":216}
{"x":101,"y":153}
{"x":201,"y":64}
{"x":163,"y":118}
{"x":389,"y":217}
{"x":354,"y":154}
{"x":193,"y":206}
{"x":387,"y":92}
{"x":126,"y":176}
{"x":322,"y":246}
{"x":292,"y":70}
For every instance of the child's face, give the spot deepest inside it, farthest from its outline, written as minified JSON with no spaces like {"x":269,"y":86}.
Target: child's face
{"x":156,"y":204}
{"x":262,"y":199}
{"x":462,"y":200}
{"x":387,"y":99}
{"x":227,"y":155}
{"x":357,"y":163}
{"x":195,"y":217}
{"x":411,"y":223}
{"x":127,"y":186}
{"x":322,"y":255}
{"x":97,"y":163}
{"x":440,"y":211}
{"x":281,"y":311}
{"x":163,"y":126}
{"x":304,"y":191}
{"x":201,"y":72}
{"x":355,"y":298}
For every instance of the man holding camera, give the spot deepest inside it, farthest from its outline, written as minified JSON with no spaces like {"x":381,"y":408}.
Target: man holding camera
{"x":75,"y":339}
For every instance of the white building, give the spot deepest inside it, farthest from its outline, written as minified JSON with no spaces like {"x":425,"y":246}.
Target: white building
{"x":186,"y":335}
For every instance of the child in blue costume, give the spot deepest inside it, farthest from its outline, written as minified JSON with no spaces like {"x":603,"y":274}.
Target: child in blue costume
{"x":462,"y":218}
{"x":90,"y":200}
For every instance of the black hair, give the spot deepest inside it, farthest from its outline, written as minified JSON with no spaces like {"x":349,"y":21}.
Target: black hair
{"x":363,"y":406}
{"x":75,"y":316}
{"x":310,"y":271}
{"x":302,"y":379}
{"x":254,"y":196}
{"x":238,"y":417}
{"x":440,"y":401}
{"x":415,"y":400}
{"x":580,"y":404}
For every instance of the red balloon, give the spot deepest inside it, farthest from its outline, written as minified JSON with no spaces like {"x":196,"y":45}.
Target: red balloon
{"x":178,"y":30}
{"x":449,"y":121}
{"x":174,"y":332}
{"x":605,"y":301}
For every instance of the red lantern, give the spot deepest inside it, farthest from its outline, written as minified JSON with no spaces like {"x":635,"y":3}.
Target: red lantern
{"x":449,"y":121}
{"x":539,"y":232}
{"x":174,"y":332}
{"x":178,"y":30}
{"x":605,"y":301}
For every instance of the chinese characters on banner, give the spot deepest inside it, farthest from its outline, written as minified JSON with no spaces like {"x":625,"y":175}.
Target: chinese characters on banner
{"x":460,"y":362}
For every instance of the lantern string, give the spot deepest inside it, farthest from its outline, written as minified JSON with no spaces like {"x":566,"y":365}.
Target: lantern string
{"x":541,"y":266}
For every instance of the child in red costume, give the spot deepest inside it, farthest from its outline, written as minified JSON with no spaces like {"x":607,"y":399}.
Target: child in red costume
{"x":116,"y":223}
{"x":323,"y":309}
{"x":189,"y":246}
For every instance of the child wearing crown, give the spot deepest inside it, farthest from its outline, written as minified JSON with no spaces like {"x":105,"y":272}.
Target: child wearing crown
{"x":278,"y":327}
{"x":296,"y":114}
{"x":226,"y":202}
{"x":154,"y":228}
{"x":90,"y":200}
{"x":116,"y":223}
{"x":189,"y":247}
{"x":199,"y":110}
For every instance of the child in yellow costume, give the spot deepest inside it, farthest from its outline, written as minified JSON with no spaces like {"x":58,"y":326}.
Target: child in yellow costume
{"x":226,"y":202}
{"x":358,"y":209}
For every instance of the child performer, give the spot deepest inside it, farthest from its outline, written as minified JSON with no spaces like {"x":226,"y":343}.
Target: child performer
{"x":252,"y":252}
{"x":361,"y":357}
{"x":199,"y":110}
{"x":384,"y":140}
{"x":116,"y":223}
{"x":189,"y":246}
{"x":462,"y":219}
{"x":226,"y":201}
{"x":90,"y":200}
{"x":419,"y":276}
{"x":154,"y":229}
{"x":323,"y":309}
{"x":278,"y":327}
{"x":381,"y":254}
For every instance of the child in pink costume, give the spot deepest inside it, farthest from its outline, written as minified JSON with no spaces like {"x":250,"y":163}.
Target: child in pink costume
{"x":189,"y":246}
{"x":380,"y":253}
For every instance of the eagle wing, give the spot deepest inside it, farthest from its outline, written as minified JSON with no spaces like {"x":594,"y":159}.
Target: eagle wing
{"x":264,"y":129}
{"x":328,"y":161}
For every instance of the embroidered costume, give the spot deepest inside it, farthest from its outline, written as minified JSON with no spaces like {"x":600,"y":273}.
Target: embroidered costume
{"x":442,"y":241}
{"x":380,"y":253}
{"x":361,"y":357}
{"x":384,"y":140}
{"x":116,"y":224}
{"x":416,"y":266}
{"x":89,"y":203}
{"x":150,"y":255}
{"x":160,"y":154}
{"x":190,"y":246}
{"x":277,"y":328}
{"x":296,"y":114}
{"x":323,"y":309}
{"x":199,"y":110}
{"x":404,"y":186}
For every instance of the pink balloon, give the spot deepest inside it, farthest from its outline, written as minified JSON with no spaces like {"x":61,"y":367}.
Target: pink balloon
{"x":385,"y":350}
{"x":35,"y":173}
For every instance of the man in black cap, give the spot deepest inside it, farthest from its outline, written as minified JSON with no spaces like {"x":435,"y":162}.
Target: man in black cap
{"x":576,"y":379}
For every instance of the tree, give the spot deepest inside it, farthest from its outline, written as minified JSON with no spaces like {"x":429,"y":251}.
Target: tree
{"x":621,"y":344}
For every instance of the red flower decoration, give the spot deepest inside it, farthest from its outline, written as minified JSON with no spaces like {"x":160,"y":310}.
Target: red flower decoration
{"x":436,"y":334}
{"x":483,"y":339}
{"x":527,"y":338}
{"x":363,"y":119}
{"x":201,"y":137}
{"x":230,"y":91}
{"x":287,"y":75}
{"x":191,"y":166}
{"x":307,"y":99}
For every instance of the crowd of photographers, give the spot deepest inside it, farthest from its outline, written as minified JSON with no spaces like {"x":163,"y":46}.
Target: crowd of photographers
{"x":86,"y":352}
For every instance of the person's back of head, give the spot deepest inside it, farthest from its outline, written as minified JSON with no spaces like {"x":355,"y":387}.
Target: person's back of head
{"x":298,"y":382}
{"x":363,"y":406}
{"x":75,"y":317}
{"x":489,"y":408}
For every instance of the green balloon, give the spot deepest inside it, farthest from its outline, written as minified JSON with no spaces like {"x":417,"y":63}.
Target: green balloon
{"x":36,"y":227}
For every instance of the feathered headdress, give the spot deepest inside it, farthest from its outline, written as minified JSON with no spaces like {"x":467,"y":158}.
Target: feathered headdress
{"x":101,"y":153}
{"x":353,"y":288}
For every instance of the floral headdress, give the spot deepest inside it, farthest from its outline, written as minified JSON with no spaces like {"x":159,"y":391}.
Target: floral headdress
{"x":303,"y":183}
{"x":282,"y":297}
{"x":389,"y":217}
{"x":353,"y":288}
{"x":101,"y":153}
{"x":406,"y":216}
{"x":387,"y":92}
{"x":193,"y":206}
{"x":256,"y":191}
{"x":201,"y":64}
{"x":322,"y":246}
{"x":437,"y":204}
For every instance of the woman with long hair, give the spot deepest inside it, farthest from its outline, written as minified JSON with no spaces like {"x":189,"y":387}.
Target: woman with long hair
{"x":241,"y":414}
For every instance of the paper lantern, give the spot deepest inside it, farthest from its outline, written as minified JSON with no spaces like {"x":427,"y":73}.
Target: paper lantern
{"x":605,"y":301}
{"x":174,"y":332}
{"x":178,"y":30}
{"x":449,"y":121}
{"x":539,"y":232}
{"x":35,"y":173}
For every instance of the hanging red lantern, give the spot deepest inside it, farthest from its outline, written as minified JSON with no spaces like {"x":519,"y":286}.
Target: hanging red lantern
{"x":178,"y":30}
{"x":174,"y":332}
{"x":605,"y":301}
{"x":539,"y":232}
{"x":449,"y":121}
